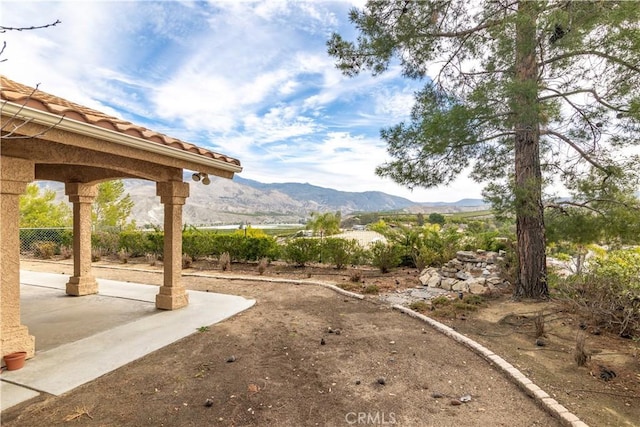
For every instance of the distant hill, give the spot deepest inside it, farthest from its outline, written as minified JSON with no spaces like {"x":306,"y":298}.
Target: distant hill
{"x":330,"y":199}
{"x":243,"y":200}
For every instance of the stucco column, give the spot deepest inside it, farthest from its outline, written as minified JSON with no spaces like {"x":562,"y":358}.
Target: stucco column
{"x":15,"y":174}
{"x":82,"y":196}
{"x":173,"y":195}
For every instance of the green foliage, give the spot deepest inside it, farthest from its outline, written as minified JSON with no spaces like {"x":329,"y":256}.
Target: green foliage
{"x":408,"y":239}
{"x":135,"y":243}
{"x":494,"y":102}
{"x":603,"y":209}
{"x":380,"y":227}
{"x":111,"y":208}
{"x":437,"y":218}
{"x":198,"y":243}
{"x":256,"y":248}
{"x":40,"y":210}
{"x":156,"y":242}
{"x":105,"y":242}
{"x":324,"y":224}
{"x":339,"y":252}
{"x":445,"y":307}
{"x":301,"y":251}
{"x":420,"y":306}
{"x":385,"y":256}
{"x":608,"y":294}
{"x":437,"y":246}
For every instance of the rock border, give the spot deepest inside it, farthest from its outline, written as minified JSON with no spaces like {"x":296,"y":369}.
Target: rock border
{"x":551,"y":405}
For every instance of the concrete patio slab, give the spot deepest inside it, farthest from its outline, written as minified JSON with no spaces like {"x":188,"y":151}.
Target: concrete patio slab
{"x":79,"y":339}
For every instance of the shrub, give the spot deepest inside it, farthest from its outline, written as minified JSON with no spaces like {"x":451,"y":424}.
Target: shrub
{"x":231,"y":244}
{"x":371,"y":290}
{"x":136,"y":243}
{"x":355,"y":276}
{"x":123,"y":256}
{"x":609,"y":293}
{"x":197,"y":243}
{"x":255,"y":248}
{"x":420,"y":306}
{"x":106,"y":242}
{"x":301,"y":251}
{"x":385,"y":256}
{"x":338,"y":252}
{"x":44,"y":249}
{"x":156,"y":242}
{"x":262,"y":265}
{"x":225,"y":261}
{"x":437,"y":246}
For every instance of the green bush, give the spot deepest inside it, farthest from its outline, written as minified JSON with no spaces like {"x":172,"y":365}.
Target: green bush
{"x":227,"y":243}
{"x":301,"y":251}
{"x":608,"y":295}
{"x":439,"y":246}
{"x":339,"y":252}
{"x":198,"y":243}
{"x":385,"y":256}
{"x":135,"y":243}
{"x":156,"y":242}
{"x":107,"y":242}
{"x":255,"y":248}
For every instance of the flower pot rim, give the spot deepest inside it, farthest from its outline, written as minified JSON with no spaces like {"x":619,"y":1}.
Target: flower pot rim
{"x":16,"y":354}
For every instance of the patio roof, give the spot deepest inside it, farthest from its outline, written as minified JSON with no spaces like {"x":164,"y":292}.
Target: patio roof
{"x":24,"y":106}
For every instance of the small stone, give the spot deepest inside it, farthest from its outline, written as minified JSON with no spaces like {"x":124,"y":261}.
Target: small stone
{"x":437,"y":395}
{"x":382,"y":381}
{"x":465,"y":398}
{"x":231,"y":359}
{"x":358,"y":382}
{"x":337,"y":332}
{"x":208,"y":403}
{"x":322,"y":341}
{"x":540,"y":342}
{"x":455,"y":402}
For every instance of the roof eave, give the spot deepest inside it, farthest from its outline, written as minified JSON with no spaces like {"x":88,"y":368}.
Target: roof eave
{"x":62,"y":123}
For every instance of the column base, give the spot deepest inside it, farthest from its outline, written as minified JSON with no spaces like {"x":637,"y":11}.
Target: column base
{"x":85,"y":285}
{"x":18,"y":339}
{"x":172,"y":298}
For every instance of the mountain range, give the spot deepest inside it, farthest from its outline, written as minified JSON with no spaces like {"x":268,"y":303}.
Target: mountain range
{"x":242,"y":200}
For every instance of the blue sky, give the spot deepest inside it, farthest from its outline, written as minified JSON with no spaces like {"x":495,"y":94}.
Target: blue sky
{"x":248,"y":79}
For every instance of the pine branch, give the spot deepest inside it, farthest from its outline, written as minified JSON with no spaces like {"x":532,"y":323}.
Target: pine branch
{"x":573,"y":145}
{"x":597,"y":97}
{"x":604,"y":55}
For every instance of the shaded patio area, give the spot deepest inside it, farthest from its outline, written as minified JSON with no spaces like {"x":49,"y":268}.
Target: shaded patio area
{"x":80,"y":339}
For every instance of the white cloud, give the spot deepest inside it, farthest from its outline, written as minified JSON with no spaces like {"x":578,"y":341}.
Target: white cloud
{"x":250,"y":79}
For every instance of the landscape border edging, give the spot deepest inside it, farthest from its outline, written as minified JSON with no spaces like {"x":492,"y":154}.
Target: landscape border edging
{"x":549,"y":404}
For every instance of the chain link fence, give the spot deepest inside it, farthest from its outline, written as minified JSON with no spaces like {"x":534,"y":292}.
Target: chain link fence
{"x":46,"y":242}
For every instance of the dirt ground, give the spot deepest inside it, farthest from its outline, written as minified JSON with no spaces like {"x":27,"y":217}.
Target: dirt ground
{"x":305,"y":355}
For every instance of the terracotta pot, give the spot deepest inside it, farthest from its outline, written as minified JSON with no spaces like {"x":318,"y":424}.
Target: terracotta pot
{"x":15,"y":360}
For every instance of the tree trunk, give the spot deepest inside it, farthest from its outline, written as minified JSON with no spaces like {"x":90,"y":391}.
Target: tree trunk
{"x":532,"y":271}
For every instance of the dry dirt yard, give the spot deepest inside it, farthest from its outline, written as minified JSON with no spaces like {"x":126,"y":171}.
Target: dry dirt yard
{"x":306,"y":355}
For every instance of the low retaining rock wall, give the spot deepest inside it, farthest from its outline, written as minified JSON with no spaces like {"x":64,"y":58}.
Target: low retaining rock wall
{"x":472,"y":272}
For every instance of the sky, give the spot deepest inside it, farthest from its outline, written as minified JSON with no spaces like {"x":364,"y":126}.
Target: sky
{"x":248,"y":79}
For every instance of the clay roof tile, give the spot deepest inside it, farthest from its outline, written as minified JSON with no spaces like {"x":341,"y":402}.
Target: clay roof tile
{"x":35,"y":98}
